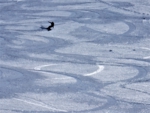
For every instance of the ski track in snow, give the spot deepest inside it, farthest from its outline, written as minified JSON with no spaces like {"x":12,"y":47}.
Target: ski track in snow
{"x":100,"y":68}
{"x":40,"y":104}
{"x":42,"y":66}
{"x":95,"y":60}
{"x":146,"y":57}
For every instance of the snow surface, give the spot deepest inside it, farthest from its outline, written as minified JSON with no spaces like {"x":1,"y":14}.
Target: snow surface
{"x":95,"y":60}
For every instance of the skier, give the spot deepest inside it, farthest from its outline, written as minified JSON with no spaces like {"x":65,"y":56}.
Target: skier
{"x":49,"y":27}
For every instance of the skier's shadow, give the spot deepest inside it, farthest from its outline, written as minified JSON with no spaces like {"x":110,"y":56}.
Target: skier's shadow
{"x":49,"y":27}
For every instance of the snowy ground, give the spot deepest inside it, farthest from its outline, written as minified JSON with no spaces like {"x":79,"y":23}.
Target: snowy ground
{"x":95,"y":60}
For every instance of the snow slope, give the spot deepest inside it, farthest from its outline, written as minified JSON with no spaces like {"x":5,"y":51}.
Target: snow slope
{"x":95,"y":60}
